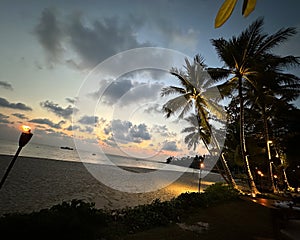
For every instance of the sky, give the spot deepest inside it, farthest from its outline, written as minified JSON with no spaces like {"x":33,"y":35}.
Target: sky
{"x":50,"y":50}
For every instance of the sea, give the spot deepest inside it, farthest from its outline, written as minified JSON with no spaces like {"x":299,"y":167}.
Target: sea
{"x":36,"y":150}
{"x":51,"y":175}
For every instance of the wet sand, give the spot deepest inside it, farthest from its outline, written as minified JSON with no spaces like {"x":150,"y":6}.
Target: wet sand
{"x":37,"y":183}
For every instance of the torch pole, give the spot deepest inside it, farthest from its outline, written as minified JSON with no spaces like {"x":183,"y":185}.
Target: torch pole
{"x":10,"y":166}
{"x":199,"y":185}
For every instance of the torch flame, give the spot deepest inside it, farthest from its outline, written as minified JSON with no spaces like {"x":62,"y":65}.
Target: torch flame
{"x":25,"y":129}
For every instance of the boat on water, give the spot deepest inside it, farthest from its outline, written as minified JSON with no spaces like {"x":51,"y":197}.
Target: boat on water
{"x":67,"y":148}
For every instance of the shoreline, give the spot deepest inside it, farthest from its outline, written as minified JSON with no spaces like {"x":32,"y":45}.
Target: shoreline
{"x":38,"y":183}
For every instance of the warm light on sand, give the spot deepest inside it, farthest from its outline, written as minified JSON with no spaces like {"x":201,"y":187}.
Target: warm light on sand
{"x":25,"y":129}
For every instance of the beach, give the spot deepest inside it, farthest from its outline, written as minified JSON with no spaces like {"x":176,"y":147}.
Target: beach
{"x":37,"y":183}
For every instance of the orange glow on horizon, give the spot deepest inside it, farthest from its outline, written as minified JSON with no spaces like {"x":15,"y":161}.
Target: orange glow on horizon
{"x":25,"y":129}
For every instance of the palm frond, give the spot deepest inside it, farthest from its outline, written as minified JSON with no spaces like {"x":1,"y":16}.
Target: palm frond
{"x":171,"y":90}
{"x":275,"y":39}
{"x":176,"y":104}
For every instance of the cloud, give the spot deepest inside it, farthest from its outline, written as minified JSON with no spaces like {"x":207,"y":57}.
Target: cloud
{"x":89,"y":120}
{"x":3,"y":118}
{"x":98,"y":40}
{"x":50,"y":35}
{"x":71,"y":100}
{"x":72,"y":128}
{"x":154,"y":108}
{"x":48,"y":122}
{"x":170,"y":146}
{"x":57,"y":110}
{"x":125,"y":92}
{"x":19,"y":115}
{"x":113,"y":92}
{"x":163,"y":131}
{"x":6,"y":85}
{"x":142,"y":92}
{"x":21,"y":106}
{"x":126,"y":132}
{"x":88,"y":129}
{"x":92,"y":41}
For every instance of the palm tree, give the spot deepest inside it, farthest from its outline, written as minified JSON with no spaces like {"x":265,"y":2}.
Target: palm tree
{"x":271,"y":88}
{"x":195,"y":133}
{"x":196,"y":91}
{"x":242,"y":57}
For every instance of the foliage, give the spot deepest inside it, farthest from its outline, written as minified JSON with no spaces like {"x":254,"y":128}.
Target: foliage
{"x":227,"y":8}
{"x":68,"y":220}
{"x":80,"y":220}
{"x":219,"y":193}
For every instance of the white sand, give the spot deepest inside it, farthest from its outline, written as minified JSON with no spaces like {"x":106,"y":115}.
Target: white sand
{"x":36,"y":183}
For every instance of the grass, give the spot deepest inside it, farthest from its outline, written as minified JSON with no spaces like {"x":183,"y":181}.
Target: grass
{"x":232,"y":220}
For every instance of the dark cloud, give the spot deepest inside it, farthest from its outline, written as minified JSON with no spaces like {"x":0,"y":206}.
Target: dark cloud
{"x":163,"y":131}
{"x":48,"y":122}
{"x":21,"y":106}
{"x":125,"y":92}
{"x":93,"y":41}
{"x":126,"y":132}
{"x":19,"y":115}
{"x":170,"y":146}
{"x":153,"y":109}
{"x":88,"y":129}
{"x":98,"y":40}
{"x":72,"y":128}
{"x":89,"y":120}
{"x":142,"y":92}
{"x":71,"y":100}
{"x":3,"y":118}
{"x":6,"y":85}
{"x":113,"y":92}
{"x":174,"y":36}
{"x":57,"y":110}
{"x":50,"y":35}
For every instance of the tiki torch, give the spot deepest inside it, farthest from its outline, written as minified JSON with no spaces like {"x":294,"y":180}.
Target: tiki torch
{"x":24,"y":139}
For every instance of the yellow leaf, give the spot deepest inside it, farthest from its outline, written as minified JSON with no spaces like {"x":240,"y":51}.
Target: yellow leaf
{"x":248,"y":7}
{"x":224,"y":12}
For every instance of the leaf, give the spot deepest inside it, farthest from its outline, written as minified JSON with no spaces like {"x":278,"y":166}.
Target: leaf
{"x":248,"y":7}
{"x":224,"y":12}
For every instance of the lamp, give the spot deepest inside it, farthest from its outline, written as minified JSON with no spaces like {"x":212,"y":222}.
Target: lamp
{"x":23,"y":140}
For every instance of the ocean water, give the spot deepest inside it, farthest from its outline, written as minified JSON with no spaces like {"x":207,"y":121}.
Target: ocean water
{"x":56,"y":153}
{"x":36,"y":182}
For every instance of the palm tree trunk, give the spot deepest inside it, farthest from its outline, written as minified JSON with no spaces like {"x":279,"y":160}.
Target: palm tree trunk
{"x":266,"y":133}
{"x":229,"y":179}
{"x":228,"y":173}
{"x":252,"y":185}
{"x":219,"y":170}
{"x":225,"y":165}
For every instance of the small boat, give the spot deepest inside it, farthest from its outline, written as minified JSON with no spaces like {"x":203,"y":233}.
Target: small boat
{"x":66,"y":148}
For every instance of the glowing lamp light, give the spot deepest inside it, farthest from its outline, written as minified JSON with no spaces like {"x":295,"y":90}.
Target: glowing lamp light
{"x":25,"y":136}
{"x":25,"y":129}
{"x":23,"y":140}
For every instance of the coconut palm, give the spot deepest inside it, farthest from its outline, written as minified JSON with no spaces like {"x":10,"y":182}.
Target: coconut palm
{"x":272,"y":88}
{"x":195,"y":134}
{"x":242,"y":57}
{"x":195,"y":91}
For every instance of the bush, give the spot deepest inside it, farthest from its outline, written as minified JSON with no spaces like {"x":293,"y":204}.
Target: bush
{"x":219,"y":192}
{"x":148,"y":216}
{"x":69,"y":220}
{"x":80,"y":220}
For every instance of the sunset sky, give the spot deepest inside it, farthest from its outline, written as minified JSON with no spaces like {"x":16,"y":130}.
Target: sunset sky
{"x":49,"y":48}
